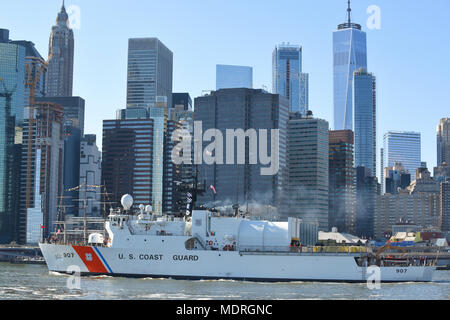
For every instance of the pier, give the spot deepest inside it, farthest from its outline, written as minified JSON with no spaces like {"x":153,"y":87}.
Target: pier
{"x":21,"y":255}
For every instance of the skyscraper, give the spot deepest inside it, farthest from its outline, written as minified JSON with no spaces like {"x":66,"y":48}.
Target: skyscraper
{"x":288,"y":79}
{"x":443,"y":142}
{"x":365,"y":124}
{"x":307,"y":188}
{"x":342,"y":181}
{"x":396,"y":177}
{"x":150,"y":68}
{"x":229,"y":77}
{"x":349,"y":55}
{"x":403,"y":147}
{"x":127,"y":160}
{"x":233,"y":109}
{"x":90,"y":176}
{"x":367,"y":190}
{"x":47,"y":155}
{"x":12,"y":75}
{"x":159,"y":115}
{"x":34,"y":60}
{"x":73,"y":128}
{"x":59,"y":82}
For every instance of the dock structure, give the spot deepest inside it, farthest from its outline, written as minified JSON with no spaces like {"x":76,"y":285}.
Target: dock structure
{"x":21,"y":255}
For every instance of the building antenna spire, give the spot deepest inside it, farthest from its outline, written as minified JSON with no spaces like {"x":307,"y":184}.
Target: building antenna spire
{"x":349,"y":11}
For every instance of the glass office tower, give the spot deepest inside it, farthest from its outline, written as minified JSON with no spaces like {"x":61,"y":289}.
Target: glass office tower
{"x":288,"y":78}
{"x":12,"y":74}
{"x":229,"y":77}
{"x":150,"y":68}
{"x":365,"y":109}
{"x":159,"y":115}
{"x":405,"y":148}
{"x":349,"y":55}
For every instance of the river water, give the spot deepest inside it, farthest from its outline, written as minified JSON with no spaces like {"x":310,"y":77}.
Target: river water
{"x":32,"y":282}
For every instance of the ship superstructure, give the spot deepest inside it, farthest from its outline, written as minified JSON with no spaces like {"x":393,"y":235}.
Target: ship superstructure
{"x":208,"y":245}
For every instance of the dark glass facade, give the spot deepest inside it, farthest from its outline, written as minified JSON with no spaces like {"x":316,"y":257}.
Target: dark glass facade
{"x":342,"y":181}
{"x":127,"y":160}
{"x":150,"y":71}
{"x":308,"y":170}
{"x":242,"y":109}
{"x":367,"y":190}
{"x":182,"y":99}
{"x":12,"y":73}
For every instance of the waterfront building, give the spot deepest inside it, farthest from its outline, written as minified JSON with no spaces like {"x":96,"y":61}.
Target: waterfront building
{"x":349,"y":55}
{"x":367,"y":189}
{"x":288,"y":80}
{"x":12,"y":91}
{"x":421,"y":209}
{"x":342,"y":194}
{"x":33,"y":61}
{"x":182,"y":99}
{"x":74,"y":109}
{"x":444,"y":217}
{"x":443,"y":141}
{"x":173,"y":197}
{"x":396,"y":177}
{"x":423,"y":183}
{"x":307,"y":153}
{"x":441,"y":173}
{"x":127,"y":160}
{"x":90,"y":177}
{"x":230,"y":77}
{"x":59,"y":81}
{"x":403,"y":147}
{"x":365,"y":124}
{"x":48,"y":156}
{"x":73,"y":128}
{"x":419,"y":204}
{"x":159,"y":114}
{"x":150,"y":72}
{"x":243,"y":109}
{"x":182,"y":119}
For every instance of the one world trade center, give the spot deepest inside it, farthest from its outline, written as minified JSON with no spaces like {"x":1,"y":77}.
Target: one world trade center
{"x":349,"y":55}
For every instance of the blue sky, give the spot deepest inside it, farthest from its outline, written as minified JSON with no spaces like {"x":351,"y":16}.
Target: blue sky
{"x":409,"y":55}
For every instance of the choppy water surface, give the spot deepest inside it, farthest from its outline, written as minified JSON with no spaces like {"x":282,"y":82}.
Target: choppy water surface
{"x":35,"y":282}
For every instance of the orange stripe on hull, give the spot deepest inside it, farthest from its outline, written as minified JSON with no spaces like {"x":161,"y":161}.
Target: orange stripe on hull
{"x":90,"y":259}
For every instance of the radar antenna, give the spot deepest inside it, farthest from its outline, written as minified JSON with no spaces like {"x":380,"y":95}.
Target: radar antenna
{"x":349,"y":11}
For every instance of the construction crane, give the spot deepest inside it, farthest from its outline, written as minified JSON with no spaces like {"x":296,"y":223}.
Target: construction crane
{"x":34,"y":70}
{"x":389,"y":247}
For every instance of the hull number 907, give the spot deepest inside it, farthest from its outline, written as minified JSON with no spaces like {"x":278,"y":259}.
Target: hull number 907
{"x":403,"y":271}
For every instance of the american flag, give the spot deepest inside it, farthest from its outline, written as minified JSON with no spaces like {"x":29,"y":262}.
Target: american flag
{"x":213,"y":189}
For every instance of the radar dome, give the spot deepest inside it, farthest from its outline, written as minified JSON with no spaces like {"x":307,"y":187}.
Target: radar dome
{"x":148,"y":209}
{"x":127,"y":202}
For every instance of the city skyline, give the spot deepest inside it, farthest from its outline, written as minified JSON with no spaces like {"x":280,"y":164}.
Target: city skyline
{"x":394,"y":100}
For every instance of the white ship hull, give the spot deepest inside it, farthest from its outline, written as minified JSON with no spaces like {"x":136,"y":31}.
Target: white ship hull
{"x":169,"y":259}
